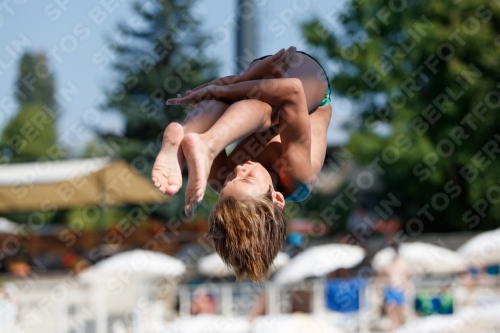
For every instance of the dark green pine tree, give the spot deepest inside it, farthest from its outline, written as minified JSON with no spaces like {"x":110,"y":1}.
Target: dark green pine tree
{"x":164,"y":56}
{"x":32,"y":132}
{"x":430,"y":70}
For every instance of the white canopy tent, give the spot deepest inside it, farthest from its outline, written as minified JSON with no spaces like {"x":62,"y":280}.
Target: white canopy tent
{"x":483,"y":249}
{"x":320,"y":260}
{"x":422,"y":259}
{"x":73,"y":183}
{"x":120,"y":280}
{"x":212,"y":265}
{"x":140,"y":263}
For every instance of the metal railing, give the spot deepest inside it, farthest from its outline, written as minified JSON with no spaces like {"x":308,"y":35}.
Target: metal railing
{"x":63,"y":304}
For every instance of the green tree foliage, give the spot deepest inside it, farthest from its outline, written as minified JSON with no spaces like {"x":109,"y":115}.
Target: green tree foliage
{"x":431,"y":71}
{"x":32,"y":131}
{"x":35,"y":83}
{"x":28,"y":138}
{"x":89,"y":219}
{"x":163,"y":56}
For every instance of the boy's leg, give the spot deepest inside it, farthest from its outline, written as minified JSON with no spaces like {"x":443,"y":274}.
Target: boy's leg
{"x":203,"y":116}
{"x":240,"y":119}
{"x":167,"y":170}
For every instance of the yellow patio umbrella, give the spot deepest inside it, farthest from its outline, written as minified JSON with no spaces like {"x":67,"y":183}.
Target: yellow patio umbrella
{"x":49,"y":185}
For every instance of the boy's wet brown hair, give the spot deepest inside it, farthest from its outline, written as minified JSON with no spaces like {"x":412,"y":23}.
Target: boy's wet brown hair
{"x":248,"y":234}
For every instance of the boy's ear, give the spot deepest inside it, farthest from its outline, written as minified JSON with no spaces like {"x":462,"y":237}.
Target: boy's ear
{"x":279,"y":200}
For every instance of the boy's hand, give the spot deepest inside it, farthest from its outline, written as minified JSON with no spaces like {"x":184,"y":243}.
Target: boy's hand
{"x":274,"y":66}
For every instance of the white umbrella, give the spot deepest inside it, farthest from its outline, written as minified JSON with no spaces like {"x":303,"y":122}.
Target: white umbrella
{"x":487,"y":314}
{"x":483,"y":249}
{"x":319,"y":261}
{"x":7,"y":315}
{"x":205,"y":323}
{"x":7,"y":226}
{"x":212,"y":265}
{"x":136,"y":263}
{"x":422,"y":258}
{"x":293,"y":323}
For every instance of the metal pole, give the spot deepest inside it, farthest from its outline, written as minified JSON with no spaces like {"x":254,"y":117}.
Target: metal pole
{"x":364,"y":307}
{"x":138,"y":321}
{"x":319,"y":296}
{"x":245,"y":41}
{"x":100,"y":300}
{"x":184,"y":301}
{"x":62,"y":315}
{"x":272,"y":298}
{"x":227,"y":300}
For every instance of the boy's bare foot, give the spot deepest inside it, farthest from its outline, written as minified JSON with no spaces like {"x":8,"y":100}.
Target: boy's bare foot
{"x":199,"y":161}
{"x":167,"y":171}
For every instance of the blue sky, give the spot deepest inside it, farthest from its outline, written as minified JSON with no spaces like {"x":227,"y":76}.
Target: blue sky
{"x":72,"y":32}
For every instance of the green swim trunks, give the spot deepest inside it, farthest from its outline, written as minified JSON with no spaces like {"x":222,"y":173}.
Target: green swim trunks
{"x":326,"y":101}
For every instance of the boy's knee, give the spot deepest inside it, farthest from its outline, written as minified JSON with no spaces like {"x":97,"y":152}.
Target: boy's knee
{"x":292,"y":91}
{"x":294,"y":86}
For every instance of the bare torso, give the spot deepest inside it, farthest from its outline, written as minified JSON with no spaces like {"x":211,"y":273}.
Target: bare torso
{"x":397,"y":273}
{"x":265,"y":147}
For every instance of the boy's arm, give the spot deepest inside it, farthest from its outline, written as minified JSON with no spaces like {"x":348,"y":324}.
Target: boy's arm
{"x":295,"y":166}
{"x":320,"y":120}
{"x":270,"y":91}
{"x":231,"y":79}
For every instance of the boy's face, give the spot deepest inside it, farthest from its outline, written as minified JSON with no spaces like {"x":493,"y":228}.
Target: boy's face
{"x":248,"y":179}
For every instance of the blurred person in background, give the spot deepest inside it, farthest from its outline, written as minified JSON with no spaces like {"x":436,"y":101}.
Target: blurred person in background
{"x":360,"y":224}
{"x":397,"y":283}
{"x":73,"y":262}
{"x":19,"y":266}
{"x":464,"y":292}
{"x":202,"y":302}
{"x":259,"y":308}
{"x":294,"y":244}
